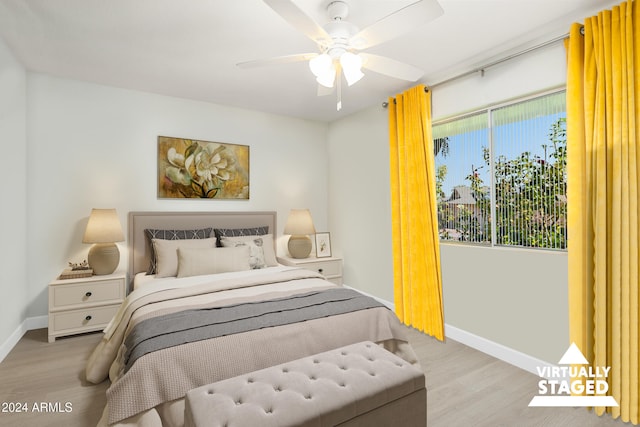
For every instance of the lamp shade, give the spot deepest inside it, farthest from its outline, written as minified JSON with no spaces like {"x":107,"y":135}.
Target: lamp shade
{"x":351,"y":66}
{"x":328,"y":78}
{"x":299,"y":223}
{"x":320,"y":64}
{"x":103,"y":227}
{"x":322,"y":67}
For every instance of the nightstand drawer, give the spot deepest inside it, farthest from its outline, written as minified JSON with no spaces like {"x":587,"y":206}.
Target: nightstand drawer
{"x":82,"y":319}
{"x":326,"y":268}
{"x":86,"y":293}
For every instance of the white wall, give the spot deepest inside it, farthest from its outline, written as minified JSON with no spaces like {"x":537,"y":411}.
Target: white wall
{"x":359,"y":200}
{"x":95,"y":146}
{"x":13,"y":145}
{"x":533,"y":72}
{"x":512,"y":297}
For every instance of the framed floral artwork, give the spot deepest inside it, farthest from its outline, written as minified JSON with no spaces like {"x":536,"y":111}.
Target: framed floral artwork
{"x":323,"y":245}
{"x":193,"y":169}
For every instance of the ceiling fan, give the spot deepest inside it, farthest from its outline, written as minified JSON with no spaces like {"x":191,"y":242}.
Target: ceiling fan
{"x":340,"y":43}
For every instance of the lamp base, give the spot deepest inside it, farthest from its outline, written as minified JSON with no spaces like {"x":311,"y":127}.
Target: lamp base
{"x":104,"y":258}
{"x":299,"y":246}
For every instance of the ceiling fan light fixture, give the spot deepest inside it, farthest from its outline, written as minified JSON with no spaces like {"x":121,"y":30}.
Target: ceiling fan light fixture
{"x":321,"y":64}
{"x":340,"y":42}
{"x":327,"y":78}
{"x":351,"y":66}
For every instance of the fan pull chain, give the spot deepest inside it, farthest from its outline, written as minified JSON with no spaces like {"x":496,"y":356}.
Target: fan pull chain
{"x":339,"y":89}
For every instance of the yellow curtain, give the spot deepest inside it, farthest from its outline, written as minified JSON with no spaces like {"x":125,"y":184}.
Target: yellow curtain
{"x":603,"y":107}
{"x":416,"y":250}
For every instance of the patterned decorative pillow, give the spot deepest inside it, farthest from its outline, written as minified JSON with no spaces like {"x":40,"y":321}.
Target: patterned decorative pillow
{"x":150,"y":234}
{"x":238,"y":232}
{"x":261,"y":253}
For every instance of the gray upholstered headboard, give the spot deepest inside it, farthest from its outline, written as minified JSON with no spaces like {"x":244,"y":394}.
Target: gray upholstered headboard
{"x":139,"y":255}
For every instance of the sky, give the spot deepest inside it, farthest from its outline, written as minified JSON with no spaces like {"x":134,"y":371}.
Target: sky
{"x":465,"y":150}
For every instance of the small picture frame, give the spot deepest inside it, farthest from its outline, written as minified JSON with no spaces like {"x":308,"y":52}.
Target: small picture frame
{"x":323,"y":245}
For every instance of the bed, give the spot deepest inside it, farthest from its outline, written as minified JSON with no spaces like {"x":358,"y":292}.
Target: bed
{"x":207,"y":313}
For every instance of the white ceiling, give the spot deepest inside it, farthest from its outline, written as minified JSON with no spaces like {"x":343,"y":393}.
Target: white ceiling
{"x":190,"y":48}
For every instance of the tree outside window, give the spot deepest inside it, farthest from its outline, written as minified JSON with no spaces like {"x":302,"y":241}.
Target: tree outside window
{"x":501,"y":175}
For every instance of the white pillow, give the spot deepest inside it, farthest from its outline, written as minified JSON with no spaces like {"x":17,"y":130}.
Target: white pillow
{"x":167,"y":253}
{"x":262,"y":252}
{"x":197,"y":261}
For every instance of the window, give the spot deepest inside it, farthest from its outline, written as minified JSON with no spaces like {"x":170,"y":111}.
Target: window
{"x":501,"y":175}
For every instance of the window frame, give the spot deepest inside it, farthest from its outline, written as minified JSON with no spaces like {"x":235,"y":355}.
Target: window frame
{"x":489,"y":109}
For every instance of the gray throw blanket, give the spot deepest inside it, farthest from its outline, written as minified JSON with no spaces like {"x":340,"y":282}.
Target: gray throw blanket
{"x":200,"y":324}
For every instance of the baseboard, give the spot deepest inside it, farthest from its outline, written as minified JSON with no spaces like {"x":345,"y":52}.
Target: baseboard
{"x":27,"y":325}
{"x":37,"y":322}
{"x":499,"y":351}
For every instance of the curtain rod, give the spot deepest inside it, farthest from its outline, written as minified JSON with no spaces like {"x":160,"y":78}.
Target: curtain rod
{"x":385,"y":104}
{"x":482,"y":68}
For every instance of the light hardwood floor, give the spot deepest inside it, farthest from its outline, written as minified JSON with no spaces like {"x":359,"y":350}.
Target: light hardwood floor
{"x":36,"y":371}
{"x":465,"y":387}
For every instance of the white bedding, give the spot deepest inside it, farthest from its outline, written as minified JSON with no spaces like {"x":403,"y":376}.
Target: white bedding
{"x":142,"y":279}
{"x":149,"y":284}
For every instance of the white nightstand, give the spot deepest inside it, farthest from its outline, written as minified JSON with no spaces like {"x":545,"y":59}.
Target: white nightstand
{"x":83,"y":305}
{"x":330,"y":268}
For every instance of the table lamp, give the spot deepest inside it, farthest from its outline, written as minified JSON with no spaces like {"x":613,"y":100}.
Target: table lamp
{"x":104,"y":230}
{"x":299,"y":225}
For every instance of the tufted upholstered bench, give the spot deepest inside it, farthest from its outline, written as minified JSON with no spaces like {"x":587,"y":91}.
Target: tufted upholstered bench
{"x":357,"y":385}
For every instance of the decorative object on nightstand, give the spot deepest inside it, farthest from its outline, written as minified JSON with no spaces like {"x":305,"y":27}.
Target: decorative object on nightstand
{"x":104,"y":230}
{"x":76,"y":270}
{"x":299,"y":225}
{"x":323,"y":245}
{"x":330,"y":268}
{"x":85,"y":304}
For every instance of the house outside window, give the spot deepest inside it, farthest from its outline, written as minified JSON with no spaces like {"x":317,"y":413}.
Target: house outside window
{"x":501,"y":174}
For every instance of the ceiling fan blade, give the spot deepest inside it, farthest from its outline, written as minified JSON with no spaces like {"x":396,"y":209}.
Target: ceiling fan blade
{"x":300,"y":20}
{"x":390,"y":67}
{"x":286,"y":59}
{"x":396,"y":24}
